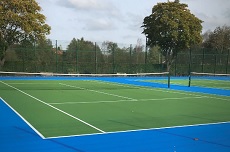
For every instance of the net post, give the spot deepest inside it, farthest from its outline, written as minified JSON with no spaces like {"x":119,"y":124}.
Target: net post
{"x":168,"y":79}
{"x":189,"y":80}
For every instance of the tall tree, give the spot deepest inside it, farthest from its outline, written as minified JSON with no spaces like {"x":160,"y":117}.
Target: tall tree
{"x":83,"y":54}
{"x":20,"y":20}
{"x":219,"y":39}
{"x":173,"y":28}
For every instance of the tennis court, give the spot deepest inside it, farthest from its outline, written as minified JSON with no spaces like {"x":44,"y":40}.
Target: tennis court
{"x":75,"y":107}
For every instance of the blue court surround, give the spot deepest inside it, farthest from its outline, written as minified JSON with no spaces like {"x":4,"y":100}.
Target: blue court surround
{"x":17,"y":136}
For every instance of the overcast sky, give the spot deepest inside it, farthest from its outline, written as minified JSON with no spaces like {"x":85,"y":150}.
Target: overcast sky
{"x":119,"y":20}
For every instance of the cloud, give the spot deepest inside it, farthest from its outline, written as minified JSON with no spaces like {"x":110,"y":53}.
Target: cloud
{"x":87,"y":5}
{"x":135,"y":21}
{"x":211,"y":21}
{"x":99,"y":25}
{"x":92,"y":7}
{"x":227,"y":14}
{"x":101,"y":15}
{"x":216,"y":14}
{"x":90,"y":4}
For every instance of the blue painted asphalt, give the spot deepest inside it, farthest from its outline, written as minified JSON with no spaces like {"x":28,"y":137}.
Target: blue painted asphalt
{"x":17,"y":136}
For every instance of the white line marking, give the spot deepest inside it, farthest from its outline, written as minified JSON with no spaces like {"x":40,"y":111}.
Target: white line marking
{"x":26,"y":83}
{"x":138,"y":100}
{"x":97,"y":91}
{"x":31,"y":126}
{"x":92,"y":102}
{"x":149,"y":88}
{"x":138,"y":130}
{"x":183,"y":92}
{"x":55,"y":108}
{"x":217,"y":98}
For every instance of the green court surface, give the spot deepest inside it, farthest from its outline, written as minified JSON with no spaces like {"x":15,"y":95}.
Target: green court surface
{"x":57,"y":108}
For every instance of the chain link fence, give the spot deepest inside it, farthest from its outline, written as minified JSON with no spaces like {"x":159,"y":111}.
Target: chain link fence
{"x":107,"y":57}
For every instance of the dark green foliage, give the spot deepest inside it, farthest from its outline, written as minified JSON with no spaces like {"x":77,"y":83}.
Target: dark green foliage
{"x":218,"y":40}
{"x":173,"y":28}
{"x":20,"y":20}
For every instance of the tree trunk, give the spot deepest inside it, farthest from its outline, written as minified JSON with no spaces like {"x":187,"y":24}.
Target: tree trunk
{"x":2,"y":61}
{"x":169,"y":60}
{"x":168,"y":65}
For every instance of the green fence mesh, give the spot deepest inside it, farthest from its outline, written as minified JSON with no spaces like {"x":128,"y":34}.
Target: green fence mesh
{"x":107,"y":57}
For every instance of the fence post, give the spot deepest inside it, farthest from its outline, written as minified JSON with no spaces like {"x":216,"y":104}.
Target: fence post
{"x":146,"y":49}
{"x":162,"y":65}
{"x":23,"y":61}
{"x":175,"y":70}
{"x":202,"y":66}
{"x":76,"y":58}
{"x":215,"y":64}
{"x":113,"y":50}
{"x":227,"y":61}
{"x":190,"y":62}
{"x":130,"y":58}
{"x":35,"y":64}
{"x":56,"y":57}
{"x":95,"y":48}
{"x":62,"y":65}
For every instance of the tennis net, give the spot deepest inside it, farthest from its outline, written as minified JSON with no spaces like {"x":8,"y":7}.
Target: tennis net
{"x":213,"y":80}
{"x":4,"y":73}
{"x":117,"y":77}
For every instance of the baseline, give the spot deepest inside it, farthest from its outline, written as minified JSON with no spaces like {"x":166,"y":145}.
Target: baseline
{"x":139,"y":130}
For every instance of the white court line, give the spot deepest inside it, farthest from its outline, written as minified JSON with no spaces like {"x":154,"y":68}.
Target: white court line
{"x":116,"y":101}
{"x":183,"y":92}
{"x":92,"y":102}
{"x":148,"y":88}
{"x":138,"y":130}
{"x":97,"y":91}
{"x":26,"y":83}
{"x":31,"y":126}
{"x":55,"y":108}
